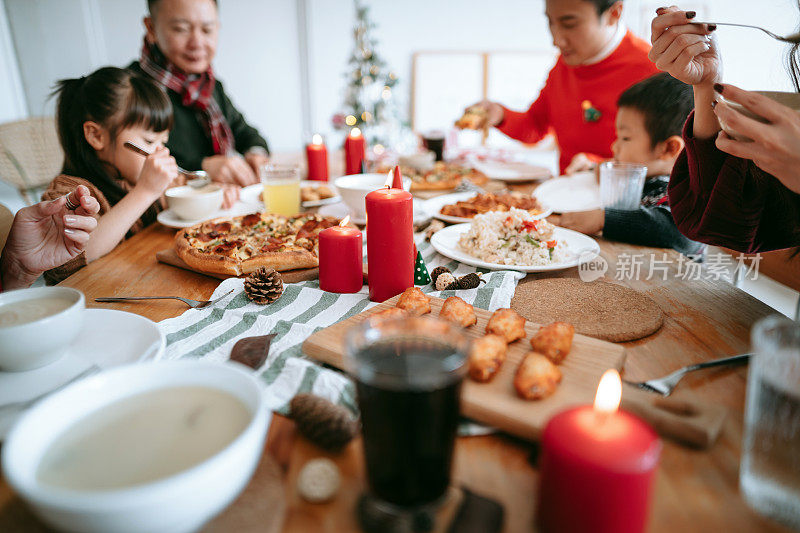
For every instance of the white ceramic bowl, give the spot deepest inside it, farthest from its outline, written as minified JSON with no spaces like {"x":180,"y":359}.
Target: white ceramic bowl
{"x":790,"y":100}
{"x":179,"y":503}
{"x":355,"y":187}
{"x":42,"y":341}
{"x":194,"y":204}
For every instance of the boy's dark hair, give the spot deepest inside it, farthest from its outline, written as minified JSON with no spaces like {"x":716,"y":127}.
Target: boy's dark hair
{"x":601,"y":5}
{"x":153,"y":4}
{"x":116,"y":99}
{"x":665,"y":103}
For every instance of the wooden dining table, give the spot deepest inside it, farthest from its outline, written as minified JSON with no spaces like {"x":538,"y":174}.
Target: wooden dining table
{"x":695,"y":490}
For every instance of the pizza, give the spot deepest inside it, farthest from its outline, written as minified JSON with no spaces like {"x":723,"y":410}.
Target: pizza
{"x":483,"y":203}
{"x":240,"y":245}
{"x":474,"y":118}
{"x":442,"y":176}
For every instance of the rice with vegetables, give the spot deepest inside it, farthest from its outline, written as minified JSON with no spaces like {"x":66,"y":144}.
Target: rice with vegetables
{"x":513,"y":237}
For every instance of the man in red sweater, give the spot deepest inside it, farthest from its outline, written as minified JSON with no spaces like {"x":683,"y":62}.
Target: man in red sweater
{"x":598,"y":60}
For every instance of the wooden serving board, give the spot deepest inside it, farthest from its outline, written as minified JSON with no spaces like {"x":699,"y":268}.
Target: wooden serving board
{"x":497,"y":404}
{"x":169,"y":257}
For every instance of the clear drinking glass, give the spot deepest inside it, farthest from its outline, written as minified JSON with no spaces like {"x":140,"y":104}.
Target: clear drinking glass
{"x":770,"y":471}
{"x":281,"y":189}
{"x":408,"y":374}
{"x":621,"y":185}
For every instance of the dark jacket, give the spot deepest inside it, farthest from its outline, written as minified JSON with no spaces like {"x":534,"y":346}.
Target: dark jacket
{"x":188,"y":141}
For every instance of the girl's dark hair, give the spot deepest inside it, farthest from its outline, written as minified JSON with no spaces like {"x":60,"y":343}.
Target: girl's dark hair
{"x":116,"y":99}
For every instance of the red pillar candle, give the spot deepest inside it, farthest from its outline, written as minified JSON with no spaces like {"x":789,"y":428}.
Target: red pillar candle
{"x":341,"y":259}
{"x":355,"y":147}
{"x":390,"y":242}
{"x":317,"y":157}
{"x":597,"y":467}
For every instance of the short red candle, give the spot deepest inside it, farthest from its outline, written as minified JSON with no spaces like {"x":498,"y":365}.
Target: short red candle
{"x":596,"y":472}
{"x":317,"y":157}
{"x":355,"y":147}
{"x":390,"y":243}
{"x":341,"y":260}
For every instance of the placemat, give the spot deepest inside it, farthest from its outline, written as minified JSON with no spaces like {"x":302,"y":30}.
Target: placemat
{"x":302,"y":310}
{"x":598,"y":309}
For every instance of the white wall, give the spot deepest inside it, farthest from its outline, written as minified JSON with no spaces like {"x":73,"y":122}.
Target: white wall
{"x":259,"y":54}
{"x":12,"y":97}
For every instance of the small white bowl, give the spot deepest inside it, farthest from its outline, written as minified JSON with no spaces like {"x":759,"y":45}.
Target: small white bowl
{"x":790,"y":100}
{"x":193,"y":204}
{"x":355,"y":187}
{"x":38,"y":343}
{"x":179,"y":503}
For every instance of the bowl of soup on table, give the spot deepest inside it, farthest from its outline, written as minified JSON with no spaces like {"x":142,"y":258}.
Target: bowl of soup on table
{"x":354,"y":188}
{"x":790,"y":100}
{"x":189,"y":203}
{"x":38,"y":325}
{"x":158,"y":446}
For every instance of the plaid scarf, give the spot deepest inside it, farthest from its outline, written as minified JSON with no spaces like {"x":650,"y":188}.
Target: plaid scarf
{"x":196,"y":92}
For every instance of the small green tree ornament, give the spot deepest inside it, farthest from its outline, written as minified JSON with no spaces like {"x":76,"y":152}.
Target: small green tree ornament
{"x":421,"y":276}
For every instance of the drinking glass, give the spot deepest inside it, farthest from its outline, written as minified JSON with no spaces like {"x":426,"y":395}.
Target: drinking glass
{"x":621,"y":185}
{"x":281,"y":189}
{"x":408,"y":374}
{"x":769,"y":476}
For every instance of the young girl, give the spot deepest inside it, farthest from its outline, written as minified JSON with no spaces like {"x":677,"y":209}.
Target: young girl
{"x":95,"y":116}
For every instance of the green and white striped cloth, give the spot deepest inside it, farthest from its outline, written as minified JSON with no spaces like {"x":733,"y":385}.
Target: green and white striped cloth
{"x":302,"y":310}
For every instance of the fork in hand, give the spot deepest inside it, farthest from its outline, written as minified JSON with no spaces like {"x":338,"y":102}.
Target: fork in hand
{"x":194,"y":304}
{"x":664,"y":386}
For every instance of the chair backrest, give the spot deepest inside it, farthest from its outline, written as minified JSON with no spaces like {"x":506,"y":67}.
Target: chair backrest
{"x":30,"y":154}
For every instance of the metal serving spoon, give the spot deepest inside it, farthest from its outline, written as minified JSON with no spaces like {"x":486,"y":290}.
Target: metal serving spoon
{"x":200,"y":180}
{"x":793,"y":38}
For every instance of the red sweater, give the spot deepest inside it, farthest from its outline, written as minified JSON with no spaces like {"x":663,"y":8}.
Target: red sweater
{"x":558,"y":108}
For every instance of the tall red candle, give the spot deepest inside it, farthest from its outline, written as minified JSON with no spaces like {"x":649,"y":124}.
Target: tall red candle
{"x":597,"y":467}
{"x":317,"y":158}
{"x":341,"y":259}
{"x":355,"y":147}
{"x":390,"y":242}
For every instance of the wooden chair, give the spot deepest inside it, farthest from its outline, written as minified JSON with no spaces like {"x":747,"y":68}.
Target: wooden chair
{"x":30,"y":155}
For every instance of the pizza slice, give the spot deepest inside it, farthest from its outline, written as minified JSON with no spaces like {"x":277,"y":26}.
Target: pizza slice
{"x":474,"y":118}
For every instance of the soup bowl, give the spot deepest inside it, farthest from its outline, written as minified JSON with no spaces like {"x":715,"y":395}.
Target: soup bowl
{"x":193,"y":204}
{"x":25,"y":345}
{"x":179,"y":502}
{"x":790,"y":100}
{"x":354,"y":189}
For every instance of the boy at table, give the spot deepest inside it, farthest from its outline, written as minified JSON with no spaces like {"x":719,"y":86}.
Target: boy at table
{"x":598,"y":59}
{"x":648,"y":124}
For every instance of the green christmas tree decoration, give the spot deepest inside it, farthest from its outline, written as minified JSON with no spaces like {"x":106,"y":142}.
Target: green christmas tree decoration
{"x":421,"y":276}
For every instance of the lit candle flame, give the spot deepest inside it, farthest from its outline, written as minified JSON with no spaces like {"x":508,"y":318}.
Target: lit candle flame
{"x":344,"y":221}
{"x":355,"y":132}
{"x":316,"y":139}
{"x":609,"y":392}
{"x":389,"y":179}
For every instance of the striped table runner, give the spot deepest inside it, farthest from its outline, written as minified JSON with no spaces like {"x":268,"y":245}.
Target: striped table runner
{"x":302,"y":310}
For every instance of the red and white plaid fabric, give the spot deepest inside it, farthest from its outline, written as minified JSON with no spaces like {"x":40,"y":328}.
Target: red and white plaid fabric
{"x":196,"y":92}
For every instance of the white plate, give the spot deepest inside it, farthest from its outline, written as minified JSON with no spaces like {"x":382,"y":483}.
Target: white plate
{"x":572,"y":193}
{"x":509,"y":171}
{"x":109,"y":338}
{"x":252,"y":194}
{"x":171,"y":220}
{"x":582,"y":248}
{"x":340,"y":210}
{"x":434,"y":207}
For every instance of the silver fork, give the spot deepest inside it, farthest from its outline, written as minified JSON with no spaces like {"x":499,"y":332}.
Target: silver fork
{"x":194,"y":304}
{"x":793,"y":38}
{"x":201,"y":178}
{"x":5,"y":409}
{"x":667,"y":384}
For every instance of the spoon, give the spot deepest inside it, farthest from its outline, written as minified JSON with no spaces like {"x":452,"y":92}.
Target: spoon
{"x":200,"y":180}
{"x":793,"y":38}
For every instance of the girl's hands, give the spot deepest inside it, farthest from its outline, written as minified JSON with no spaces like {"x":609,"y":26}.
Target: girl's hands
{"x":158,"y":173}
{"x":688,"y":52}
{"x":230,"y":195}
{"x":775,"y":146}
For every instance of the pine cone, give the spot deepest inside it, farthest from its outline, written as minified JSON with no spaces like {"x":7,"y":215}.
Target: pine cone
{"x":263,"y":286}
{"x":444,"y":280}
{"x":324,"y":423}
{"x":470,"y":281}
{"x":436,"y":271}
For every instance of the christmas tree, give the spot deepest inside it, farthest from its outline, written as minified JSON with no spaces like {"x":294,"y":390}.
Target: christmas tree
{"x":369,"y":102}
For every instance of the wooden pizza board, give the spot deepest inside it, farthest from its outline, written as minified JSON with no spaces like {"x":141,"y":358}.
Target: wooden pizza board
{"x":497,"y":404}
{"x":170,"y":257}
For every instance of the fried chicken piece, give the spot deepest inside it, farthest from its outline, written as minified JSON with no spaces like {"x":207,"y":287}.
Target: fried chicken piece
{"x":392,"y":312}
{"x":508,"y":324}
{"x":554,"y":341}
{"x":414,"y":301}
{"x":537,"y":377}
{"x":457,"y":311}
{"x":486,"y":356}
